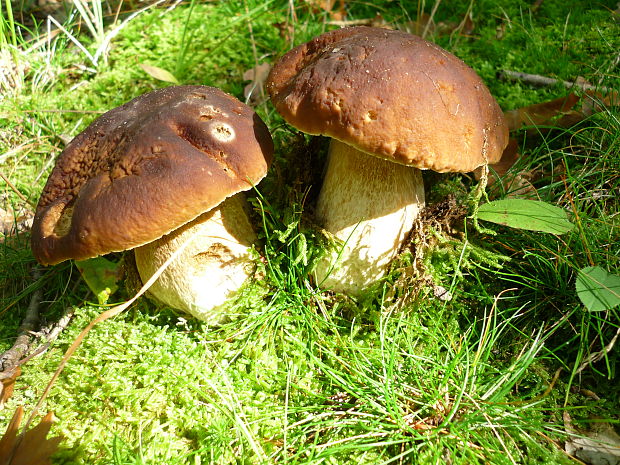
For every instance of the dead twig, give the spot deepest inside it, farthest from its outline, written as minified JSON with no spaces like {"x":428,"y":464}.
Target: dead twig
{"x":537,"y":80}
{"x":50,"y":333}
{"x":10,"y":359}
{"x":596,"y":356}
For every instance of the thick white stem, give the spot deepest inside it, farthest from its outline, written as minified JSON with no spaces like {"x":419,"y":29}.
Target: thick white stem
{"x":213,"y":266}
{"x":370,"y":204}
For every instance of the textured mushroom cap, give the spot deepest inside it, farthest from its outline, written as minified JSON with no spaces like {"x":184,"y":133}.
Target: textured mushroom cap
{"x":390,"y":94}
{"x":143,"y":169}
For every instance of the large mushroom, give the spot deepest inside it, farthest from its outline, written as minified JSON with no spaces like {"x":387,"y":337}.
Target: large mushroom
{"x":166,"y":167}
{"x":393,"y":104}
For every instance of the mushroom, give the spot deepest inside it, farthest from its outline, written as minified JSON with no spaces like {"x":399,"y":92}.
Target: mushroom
{"x":167,"y":166}
{"x":393,"y":104}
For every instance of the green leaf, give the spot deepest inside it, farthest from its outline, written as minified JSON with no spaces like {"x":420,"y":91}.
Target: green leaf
{"x":158,"y":73}
{"x":100,"y":275}
{"x":532,"y":215}
{"x":597,"y":289}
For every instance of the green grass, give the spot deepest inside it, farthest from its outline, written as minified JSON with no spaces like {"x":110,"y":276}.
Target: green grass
{"x":299,"y":375}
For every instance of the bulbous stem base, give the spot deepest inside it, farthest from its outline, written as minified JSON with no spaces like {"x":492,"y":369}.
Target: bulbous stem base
{"x":212,"y":267}
{"x":370,"y":204}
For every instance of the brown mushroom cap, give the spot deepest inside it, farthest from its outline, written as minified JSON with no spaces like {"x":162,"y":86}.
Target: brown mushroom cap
{"x":144,"y":169}
{"x":390,"y":94}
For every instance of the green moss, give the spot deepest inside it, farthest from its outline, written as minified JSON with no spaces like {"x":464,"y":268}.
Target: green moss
{"x":308,"y":377}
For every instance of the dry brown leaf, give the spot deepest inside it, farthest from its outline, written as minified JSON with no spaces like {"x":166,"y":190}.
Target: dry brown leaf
{"x":468,"y":25}
{"x":377,"y":21}
{"x":536,"y":5}
{"x":33,"y":448}
{"x":499,"y":169}
{"x":423,"y":23}
{"x":598,"y":446}
{"x":7,"y":385}
{"x":7,"y":442}
{"x":593,"y":102}
{"x":286,"y":29}
{"x":540,"y":113}
{"x":520,"y":187}
{"x":336,"y":12}
{"x":257,"y":75}
{"x":158,"y":73}
{"x":509,"y":158}
{"x":562,"y":112}
{"x":516,"y":186}
{"x":425,"y":26}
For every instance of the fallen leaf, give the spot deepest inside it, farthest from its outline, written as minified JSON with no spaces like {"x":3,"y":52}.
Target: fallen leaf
{"x":287,"y":30}
{"x":540,"y":114}
{"x":499,"y":169}
{"x":335,"y":14}
{"x":423,"y":23}
{"x":158,"y":73}
{"x":516,"y":185}
{"x":593,"y":102}
{"x":599,"y":446}
{"x":33,"y":448}
{"x":468,"y":25}
{"x":424,"y":26}
{"x":101,"y":276}
{"x":257,"y":75}
{"x":562,"y":112}
{"x":6,"y":388}
{"x":377,"y":21}
{"x":589,"y":393}
{"x":520,"y":187}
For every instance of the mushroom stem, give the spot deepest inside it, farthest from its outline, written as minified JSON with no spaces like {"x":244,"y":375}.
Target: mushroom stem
{"x":369,"y":204}
{"x":211,"y":268}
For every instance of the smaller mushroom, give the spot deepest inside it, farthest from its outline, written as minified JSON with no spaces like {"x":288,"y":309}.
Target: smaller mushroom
{"x":167,"y":167}
{"x":393,"y":104}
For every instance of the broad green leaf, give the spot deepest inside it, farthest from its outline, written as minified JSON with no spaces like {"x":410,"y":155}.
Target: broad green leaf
{"x":100,"y":275}
{"x":532,"y":215}
{"x":597,"y":289}
{"x":158,"y":73}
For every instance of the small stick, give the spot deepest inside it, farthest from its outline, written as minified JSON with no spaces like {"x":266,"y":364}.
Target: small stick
{"x":50,"y":333}
{"x":596,"y":356}
{"x":538,"y":80}
{"x":10,"y":359}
